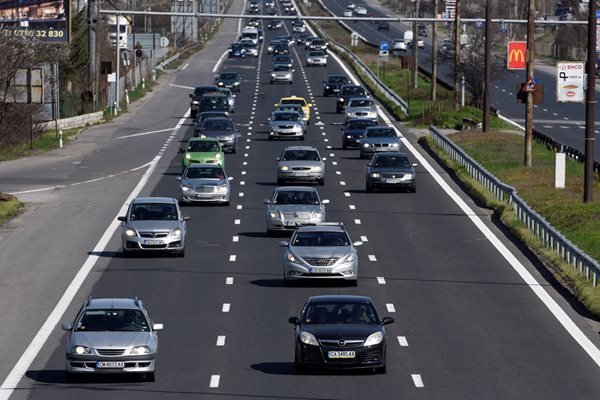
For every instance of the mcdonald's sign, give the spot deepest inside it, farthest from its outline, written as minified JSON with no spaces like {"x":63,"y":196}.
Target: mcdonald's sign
{"x":517,"y":55}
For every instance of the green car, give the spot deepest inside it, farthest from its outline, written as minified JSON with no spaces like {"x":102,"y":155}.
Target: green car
{"x":202,"y":150}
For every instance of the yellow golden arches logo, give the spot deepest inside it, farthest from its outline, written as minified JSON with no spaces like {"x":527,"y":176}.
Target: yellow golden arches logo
{"x":516,"y":56}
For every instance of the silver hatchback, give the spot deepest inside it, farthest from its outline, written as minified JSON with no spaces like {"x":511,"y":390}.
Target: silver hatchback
{"x":291,"y":206}
{"x":300,"y":163}
{"x":153,"y":224}
{"x":376,"y":139}
{"x":322,"y":251}
{"x":361,"y":107}
{"x":114,"y":336}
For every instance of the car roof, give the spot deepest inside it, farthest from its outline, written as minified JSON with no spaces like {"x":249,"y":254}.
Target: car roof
{"x":218,"y":119}
{"x":154,"y":200}
{"x":360,"y":98}
{"x":296,"y":188}
{"x":391,"y":154}
{"x":379,"y":127}
{"x":301,"y":148}
{"x":197,"y":165}
{"x":328,"y":227}
{"x":213,"y":94}
{"x":292,"y":98}
{"x":339,"y":298}
{"x":113,"y":303}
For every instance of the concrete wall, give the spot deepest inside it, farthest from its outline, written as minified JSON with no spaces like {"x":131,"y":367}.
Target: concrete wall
{"x":78,"y":121}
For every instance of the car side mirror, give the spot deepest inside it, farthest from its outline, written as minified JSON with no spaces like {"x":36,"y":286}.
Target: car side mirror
{"x":157,"y":327}
{"x":415,"y":165}
{"x":66,"y":326}
{"x":122,"y":218}
{"x":191,"y":95}
{"x":186,"y":218}
{"x":266,"y":201}
{"x":294,"y":320}
{"x":387,"y":321}
{"x":178,"y":178}
{"x":283,"y":243}
{"x":357,"y":243}
{"x":325,"y":201}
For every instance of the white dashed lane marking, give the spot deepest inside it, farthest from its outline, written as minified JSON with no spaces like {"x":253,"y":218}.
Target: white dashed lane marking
{"x":364,"y":239}
{"x":232,"y":257}
{"x":347,"y":194}
{"x":236,"y":238}
{"x":352,"y":207}
{"x":229,"y":280}
{"x":357,"y":221}
{"x":220,"y":340}
{"x":237,"y":222}
{"x":226,"y":307}
{"x":402,"y":340}
{"x":390,"y":307}
{"x":242,"y":183}
{"x":372,"y":258}
{"x":417,"y":380}
{"x":342,"y":183}
{"x":381,"y":280}
{"x":241,"y":194}
{"x":239,"y":207}
{"x":214,"y":381}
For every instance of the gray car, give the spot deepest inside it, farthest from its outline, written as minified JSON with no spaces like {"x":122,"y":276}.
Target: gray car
{"x":391,"y":170}
{"x":153,"y":224}
{"x":300,"y":163}
{"x":361,"y":107}
{"x":291,"y":206}
{"x":230,"y":98}
{"x":286,"y":124}
{"x":316,"y":57}
{"x":377,"y":139}
{"x":204,"y":183}
{"x":114,"y":336}
{"x":281,"y":72}
{"x":221,"y":128}
{"x":322,"y":251}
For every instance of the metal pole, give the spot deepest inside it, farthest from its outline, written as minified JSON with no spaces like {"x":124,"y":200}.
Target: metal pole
{"x":456,"y":54}
{"x":415,"y":45}
{"x":530,"y":72}
{"x":434,"y":53}
{"x":487,"y":66}
{"x":91,"y":14}
{"x":590,"y":106}
{"x":118,"y":62}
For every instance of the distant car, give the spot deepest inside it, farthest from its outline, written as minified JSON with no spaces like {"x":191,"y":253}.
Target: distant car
{"x":298,"y":26}
{"x":292,"y":206}
{"x":237,"y":50}
{"x":377,"y":139}
{"x":275,"y":43}
{"x":322,"y":251}
{"x":281,"y":48}
{"x":308,"y":40}
{"x":272,"y":11}
{"x":204,"y":183}
{"x":361,"y":10}
{"x":348,"y":12}
{"x":422,"y":30}
{"x":153,"y":224}
{"x":196,"y":95}
{"x":399,"y":44}
{"x":250,"y":47}
{"x":353,"y":130}
{"x":383,"y":26}
{"x":290,"y":40}
{"x":112,"y":335}
{"x":202,"y":150}
{"x":275,"y":24}
{"x":255,"y":22}
{"x":316,"y":57}
{"x":317,"y":44}
{"x":286,"y":124}
{"x":347,"y":92}
{"x":391,"y":170}
{"x":341,"y":332}
{"x":269,"y":3}
{"x":332,"y":84}
{"x":302,"y":38}
{"x":208,"y":114}
{"x":229,"y":80}
{"x":297,"y":100}
{"x":300,"y":164}
{"x":221,"y":128}
{"x":282,"y":59}
{"x":213,"y":101}
{"x":361,"y":107}
{"x":282,"y":73}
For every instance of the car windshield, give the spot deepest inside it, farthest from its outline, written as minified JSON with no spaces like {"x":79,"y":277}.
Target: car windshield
{"x":362,"y":103}
{"x":391,"y":162}
{"x":217,"y":125}
{"x":201,"y":146}
{"x":281,"y":67}
{"x":320,"y":238}
{"x":214,"y":101}
{"x":112,"y":320}
{"x":353,"y":91}
{"x":341,"y":313}
{"x":300,"y":102}
{"x":359,"y":124}
{"x":337,"y":79}
{"x":228,"y":76}
{"x":153,"y":212}
{"x":316,"y":54}
{"x":199,"y":91}
{"x":204,"y":173}
{"x":296,"y":197}
{"x":380,"y":133}
{"x":210,"y":114}
{"x":286,"y":116}
{"x":300,"y":155}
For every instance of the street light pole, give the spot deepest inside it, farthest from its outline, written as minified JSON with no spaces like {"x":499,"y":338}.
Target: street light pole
{"x":434,"y":52}
{"x":457,"y":55}
{"x":487,"y":67}
{"x":590,"y":106}
{"x":529,"y":80}
{"x":415,"y":46}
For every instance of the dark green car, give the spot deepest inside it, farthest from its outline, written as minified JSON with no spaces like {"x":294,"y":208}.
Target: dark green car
{"x":203,"y":150}
{"x":229,"y":80}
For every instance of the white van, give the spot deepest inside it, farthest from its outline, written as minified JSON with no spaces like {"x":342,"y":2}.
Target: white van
{"x":250,"y":33}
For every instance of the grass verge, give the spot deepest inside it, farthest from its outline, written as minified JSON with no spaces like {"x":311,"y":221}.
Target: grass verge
{"x":9,"y":209}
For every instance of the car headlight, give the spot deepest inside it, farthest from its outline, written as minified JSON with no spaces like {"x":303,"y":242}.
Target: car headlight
{"x":194,"y":102}
{"x":273,"y":76}
{"x":349,"y":257}
{"x":188,"y":156}
{"x":317,"y":215}
{"x":341,"y":99}
{"x":185,"y":188}
{"x":373,"y":339}
{"x":175,"y":232}
{"x":327,"y":87}
{"x":218,"y":156}
{"x":236,"y":84}
{"x":284,"y":168}
{"x":348,"y":136}
{"x":292,"y":258}
{"x":316,"y":169}
{"x":365,"y":145}
{"x":222,"y":189}
{"x":394,"y":145}
{"x":375,"y":175}
{"x":141,"y":350}
{"x":308,"y":338}
{"x":273,"y":215}
{"x":130,"y":232}
{"x":220,"y":83}
{"x":77,"y":349}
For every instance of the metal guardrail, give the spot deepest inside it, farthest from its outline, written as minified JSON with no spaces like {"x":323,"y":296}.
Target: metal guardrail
{"x":169,"y":60}
{"x":551,"y":238}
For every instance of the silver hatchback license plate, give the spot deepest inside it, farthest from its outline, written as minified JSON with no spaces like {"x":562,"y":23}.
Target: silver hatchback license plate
{"x":341,"y":354}
{"x":110,"y":364}
{"x":153,"y":242}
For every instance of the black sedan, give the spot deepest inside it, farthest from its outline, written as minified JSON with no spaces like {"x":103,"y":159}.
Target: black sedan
{"x":391,"y":170}
{"x":332,"y":84}
{"x":346,"y":93}
{"x":353,"y":130}
{"x":229,"y":80}
{"x":340,"y":332}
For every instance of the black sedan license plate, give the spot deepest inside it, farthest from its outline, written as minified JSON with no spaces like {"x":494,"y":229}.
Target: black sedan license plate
{"x":110,"y":364}
{"x":153,"y":242}
{"x":341,"y":354}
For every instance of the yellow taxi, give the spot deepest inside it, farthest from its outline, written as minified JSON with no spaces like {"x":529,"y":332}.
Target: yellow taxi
{"x":300,"y":101}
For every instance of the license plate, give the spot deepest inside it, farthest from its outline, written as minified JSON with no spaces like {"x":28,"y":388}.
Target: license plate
{"x":322,"y":270}
{"x":110,"y":364}
{"x":341,"y":354}
{"x":301,"y":173}
{"x":153,"y":242}
{"x":392,"y":181}
{"x":203,"y":196}
{"x":290,"y":223}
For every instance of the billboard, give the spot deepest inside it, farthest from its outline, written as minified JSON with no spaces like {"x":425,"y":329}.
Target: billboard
{"x":570,"y":82}
{"x":45,"y":20}
{"x":517,"y":55}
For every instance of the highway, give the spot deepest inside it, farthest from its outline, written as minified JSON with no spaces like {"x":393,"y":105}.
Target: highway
{"x":563,"y":122}
{"x":475,"y":318}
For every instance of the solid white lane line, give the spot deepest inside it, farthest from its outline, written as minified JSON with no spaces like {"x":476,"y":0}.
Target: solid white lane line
{"x":417,"y":380}
{"x":220,"y":340}
{"x":381,"y":280}
{"x":214,"y":381}
{"x":236,"y":238}
{"x":182,"y":87}
{"x":216,"y":67}
{"x":390,"y":307}
{"x":364,"y":239}
{"x":229,"y":280}
{"x":372,"y":257}
{"x":402,"y":340}
{"x":357,"y":221}
{"x":226,"y":307}
{"x":237,"y":222}
{"x":145,"y":133}
{"x":232,"y":257}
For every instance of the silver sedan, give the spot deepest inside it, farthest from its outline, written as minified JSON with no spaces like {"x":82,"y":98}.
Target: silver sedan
{"x":300,"y":163}
{"x":204,"y":183}
{"x":291,"y":206}
{"x":362,"y":107}
{"x":286,"y":124}
{"x":282,"y":73}
{"x":316,"y":57}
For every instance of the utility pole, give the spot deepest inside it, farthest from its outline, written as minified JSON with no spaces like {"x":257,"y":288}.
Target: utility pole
{"x":590,"y":106}
{"x":457,"y":79}
{"x":415,"y":46}
{"x":91,"y":20}
{"x":529,"y":80}
{"x":434,"y":53}
{"x":487,"y":67}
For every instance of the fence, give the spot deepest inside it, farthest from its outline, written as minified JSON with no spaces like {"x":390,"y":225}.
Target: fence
{"x":551,"y":238}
